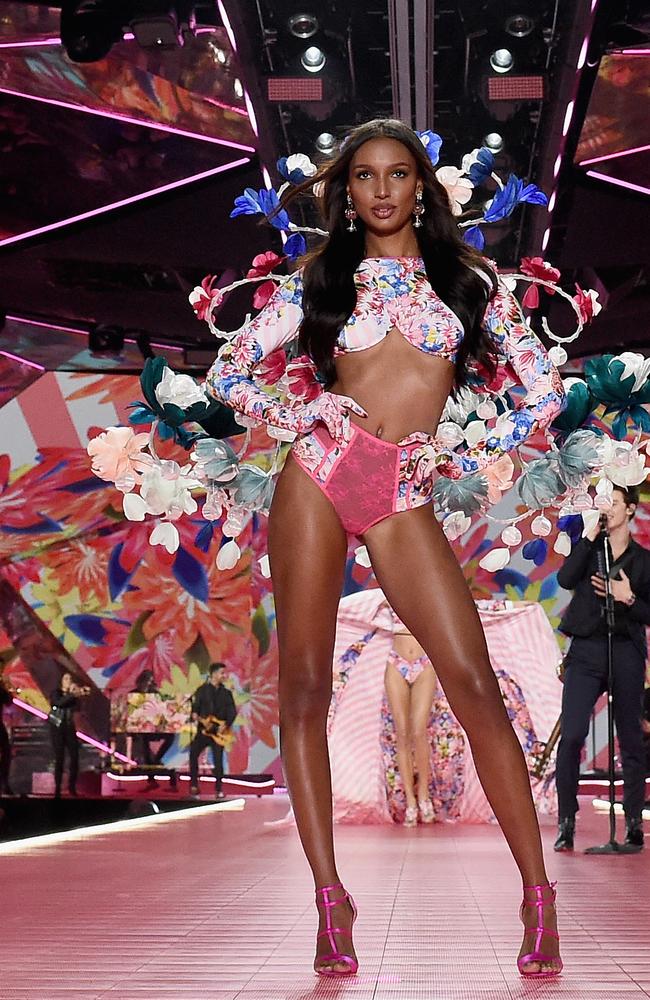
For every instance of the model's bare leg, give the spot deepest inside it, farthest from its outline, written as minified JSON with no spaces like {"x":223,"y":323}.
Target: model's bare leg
{"x":399,"y":701}
{"x":423,"y":582}
{"x":307,"y":549}
{"x":422,"y":692}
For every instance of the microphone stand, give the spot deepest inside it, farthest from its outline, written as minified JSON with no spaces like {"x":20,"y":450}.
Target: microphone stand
{"x":612,"y":846}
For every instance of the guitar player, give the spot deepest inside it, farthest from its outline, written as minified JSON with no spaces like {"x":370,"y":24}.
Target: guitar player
{"x":215,"y":711}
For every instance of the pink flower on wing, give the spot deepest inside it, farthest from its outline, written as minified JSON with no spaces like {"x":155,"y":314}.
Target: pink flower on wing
{"x":204,"y":297}
{"x":301,"y":376}
{"x":499,"y":477}
{"x":537,"y":267}
{"x":587,"y":302}
{"x":263,"y":293}
{"x":117,"y":456}
{"x":264,"y":264}
{"x":272,"y":368}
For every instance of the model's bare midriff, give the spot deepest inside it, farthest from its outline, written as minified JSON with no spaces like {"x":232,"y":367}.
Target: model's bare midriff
{"x":406,"y":646}
{"x":401,"y":388}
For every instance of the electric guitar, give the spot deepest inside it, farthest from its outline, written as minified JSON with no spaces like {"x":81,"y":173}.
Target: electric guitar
{"x":214,"y":728}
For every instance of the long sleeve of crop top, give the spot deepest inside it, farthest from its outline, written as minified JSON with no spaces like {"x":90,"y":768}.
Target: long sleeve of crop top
{"x":231,"y":378}
{"x":544,"y":397}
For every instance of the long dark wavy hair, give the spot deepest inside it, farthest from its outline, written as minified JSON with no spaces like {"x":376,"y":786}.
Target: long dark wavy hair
{"x":329,"y":293}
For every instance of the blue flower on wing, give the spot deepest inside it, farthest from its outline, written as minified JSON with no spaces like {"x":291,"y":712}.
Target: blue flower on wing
{"x":295,"y":246}
{"x":478,"y":165}
{"x":261,"y":202}
{"x":432,"y":143}
{"x":474,"y":238}
{"x":512,"y":194}
{"x":296,"y":168}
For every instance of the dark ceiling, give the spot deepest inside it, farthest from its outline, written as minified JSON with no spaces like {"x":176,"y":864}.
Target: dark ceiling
{"x":147,"y":149}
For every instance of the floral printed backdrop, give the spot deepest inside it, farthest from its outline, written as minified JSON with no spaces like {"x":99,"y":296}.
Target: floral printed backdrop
{"x":119,"y":605}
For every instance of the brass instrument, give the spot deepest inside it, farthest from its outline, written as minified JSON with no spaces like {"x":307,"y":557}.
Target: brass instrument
{"x":543,"y":757}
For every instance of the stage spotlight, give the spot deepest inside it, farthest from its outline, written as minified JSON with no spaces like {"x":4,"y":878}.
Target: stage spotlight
{"x":519,"y":25}
{"x":313,"y":59}
{"x":303,"y":25}
{"x":502,"y":60}
{"x":493,"y":141}
{"x":158,"y":29}
{"x":89,"y":29}
{"x":105,"y":339}
{"x":325,"y":142}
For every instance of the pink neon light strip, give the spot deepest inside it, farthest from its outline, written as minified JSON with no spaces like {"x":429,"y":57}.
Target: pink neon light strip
{"x":82,"y":736}
{"x":615,"y":156}
{"x":79,"y":333}
{"x":23,"y":361}
{"x":617,"y":182}
{"x":31,"y":43}
{"x":68,"y":105}
{"x":125,"y":201}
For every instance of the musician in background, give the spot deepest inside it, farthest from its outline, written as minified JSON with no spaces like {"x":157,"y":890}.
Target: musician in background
{"x":145,"y":683}
{"x":6,"y":698}
{"x":585,"y":677}
{"x":65,"y":702}
{"x":212,"y":701}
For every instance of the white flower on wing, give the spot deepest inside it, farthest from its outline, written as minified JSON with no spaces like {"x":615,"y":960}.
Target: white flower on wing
{"x":511,"y":535}
{"x":495,"y":560}
{"x":635,"y":364}
{"x":623,"y":463}
{"x":562,"y":544}
{"x":179,"y":390}
{"x":541,"y":525}
{"x":455,"y":525}
{"x":361,"y":557}
{"x":475,"y":432}
{"x":166,"y":534}
{"x":558,"y":355}
{"x":164,"y":491}
{"x":459,"y":188}
{"x":300,"y":161}
{"x":486,"y":409}
{"x":228,"y":555}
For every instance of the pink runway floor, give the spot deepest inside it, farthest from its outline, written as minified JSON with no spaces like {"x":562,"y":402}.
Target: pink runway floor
{"x":216,"y":906}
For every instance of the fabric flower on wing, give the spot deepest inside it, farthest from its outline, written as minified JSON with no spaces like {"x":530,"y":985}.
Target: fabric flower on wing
{"x":263,"y":293}
{"x":262,"y":202}
{"x":455,"y":525}
{"x":499,"y":477}
{"x":117,"y":456}
{"x":177,"y":389}
{"x":536,"y":267}
{"x":263,"y":264}
{"x":637,"y":365}
{"x":478,"y":165}
{"x":164,"y":491}
{"x":459,"y":188}
{"x":215,"y":460}
{"x":204,"y":298}
{"x":623,"y":463}
{"x":587,"y":302}
{"x":432,"y":142}
{"x":272,"y":367}
{"x":449,"y":434}
{"x":512,"y":194}
{"x":296,"y":168}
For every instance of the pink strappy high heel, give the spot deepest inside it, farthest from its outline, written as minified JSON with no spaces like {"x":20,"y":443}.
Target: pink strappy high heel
{"x":330,"y":931}
{"x":536,"y":955}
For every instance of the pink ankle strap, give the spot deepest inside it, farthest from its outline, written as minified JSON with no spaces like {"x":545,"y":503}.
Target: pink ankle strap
{"x":327,"y":888}
{"x":547,"y":885}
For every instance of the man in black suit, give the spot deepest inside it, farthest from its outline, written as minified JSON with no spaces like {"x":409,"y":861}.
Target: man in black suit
{"x":585,"y":677}
{"x":211,"y":699}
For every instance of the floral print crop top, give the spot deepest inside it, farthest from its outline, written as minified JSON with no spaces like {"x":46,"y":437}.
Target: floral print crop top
{"x":394,"y":292}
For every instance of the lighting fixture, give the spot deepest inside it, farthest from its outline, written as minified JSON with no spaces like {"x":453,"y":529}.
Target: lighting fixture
{"x":325,"y":142}
{"x":238,"y":88}
{"x":502,"y":60}
{"x":160,"y":30}
{"x":493,"y":141}
{"x":519,"y":25}
{"x":89,"y":29}
{"x":313,"y":59}
{"x":303,"y":25}
{"x":106,"y":339}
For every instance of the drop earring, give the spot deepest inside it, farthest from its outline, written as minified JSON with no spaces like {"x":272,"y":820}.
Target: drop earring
{"x":350,"y":214}
{"x":418,"y":210}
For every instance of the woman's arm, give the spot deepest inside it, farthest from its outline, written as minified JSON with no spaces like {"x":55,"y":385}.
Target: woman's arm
{"x":231,"y":378}
{"x":544,"y":397}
